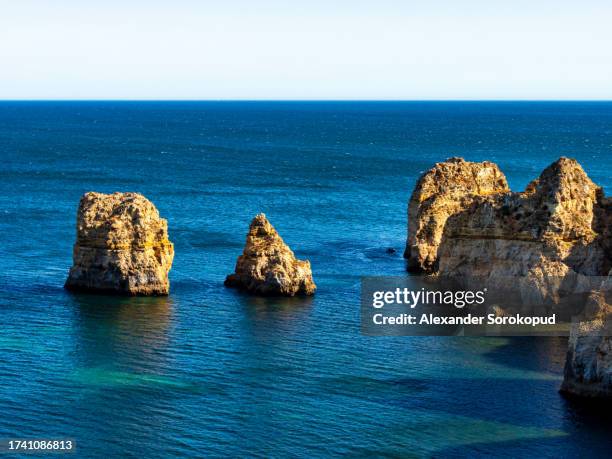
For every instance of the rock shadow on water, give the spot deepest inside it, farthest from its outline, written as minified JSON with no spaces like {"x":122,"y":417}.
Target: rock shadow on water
{"x":122,"y":342}
{"x":139,"y":322}
{"x":267,"y":324}
{"x":426,"y":433}
{"x":278,"y":304}
{"x":378,"y":388}
{"x":275,"y":310}
{"x":530,"y":353}
{"x":537,"y":446}
{"x":506,"y":400}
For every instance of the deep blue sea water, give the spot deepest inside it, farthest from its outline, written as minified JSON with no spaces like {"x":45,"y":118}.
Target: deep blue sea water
{"x":210,"y":372}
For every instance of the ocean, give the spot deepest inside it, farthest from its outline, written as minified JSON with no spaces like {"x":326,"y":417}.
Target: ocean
{"x":209,"y":371}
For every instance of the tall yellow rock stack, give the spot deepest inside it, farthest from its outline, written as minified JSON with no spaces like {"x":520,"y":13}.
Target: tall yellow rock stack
{"x":122,"y":246}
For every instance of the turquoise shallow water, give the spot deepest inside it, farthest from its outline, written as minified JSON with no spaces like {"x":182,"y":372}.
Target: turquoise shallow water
{"x":209,"y":371}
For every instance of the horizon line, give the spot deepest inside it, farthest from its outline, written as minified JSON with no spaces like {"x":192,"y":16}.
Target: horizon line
{"x":298,"y":100}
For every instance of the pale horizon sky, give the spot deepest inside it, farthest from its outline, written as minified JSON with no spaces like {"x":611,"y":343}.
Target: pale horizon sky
{"x":306,"y":50}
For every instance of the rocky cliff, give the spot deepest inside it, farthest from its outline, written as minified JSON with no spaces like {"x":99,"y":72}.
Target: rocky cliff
{"x":588,"y":365}
{"x":554,"y":228}
{"x":553,"y":237}
{"x":122,"y":246}
{"x":267,"y":265}
{"x":463,"y":220}
{"x":446,"y":189}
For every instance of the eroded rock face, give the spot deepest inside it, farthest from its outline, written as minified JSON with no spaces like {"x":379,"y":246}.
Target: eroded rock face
{"x":267,"y":265}
{"x":446,"y":189}
{"x":122,"y":246}
{"x":555,"y":227}
{"x":554,"y":236}
{"x":588,"y":365}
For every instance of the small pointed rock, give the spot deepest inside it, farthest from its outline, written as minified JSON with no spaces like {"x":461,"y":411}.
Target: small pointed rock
{"x":267,"y":265}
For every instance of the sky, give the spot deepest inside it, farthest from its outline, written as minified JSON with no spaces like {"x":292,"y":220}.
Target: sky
{"x":307,"y":49}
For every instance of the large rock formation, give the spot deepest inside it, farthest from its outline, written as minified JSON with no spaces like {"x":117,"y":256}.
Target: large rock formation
{"x":446,"y":189}
{"x":554,"y":228}
{"x":267,"y":265}
{"x":122,"y":246}
{"x":463,"y":220}
{"x":554,"y":237}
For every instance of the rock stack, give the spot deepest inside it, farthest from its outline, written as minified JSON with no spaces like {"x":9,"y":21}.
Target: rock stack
{"x":446,"y":189}
{"x":553,"y":228}
{"x":122,"y":246}
{"x":267,"y":265}
{"x":465,"y":223}
{"x":588,"y":365}
{"x":478,"y":227}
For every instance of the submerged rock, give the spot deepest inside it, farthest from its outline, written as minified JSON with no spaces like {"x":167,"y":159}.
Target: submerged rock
{"x":446,"y":189}
{"x":267,"y":265}
{"x":122,"y":246}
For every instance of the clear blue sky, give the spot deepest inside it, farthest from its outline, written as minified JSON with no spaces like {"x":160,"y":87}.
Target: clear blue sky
{"x":307,"y":49}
